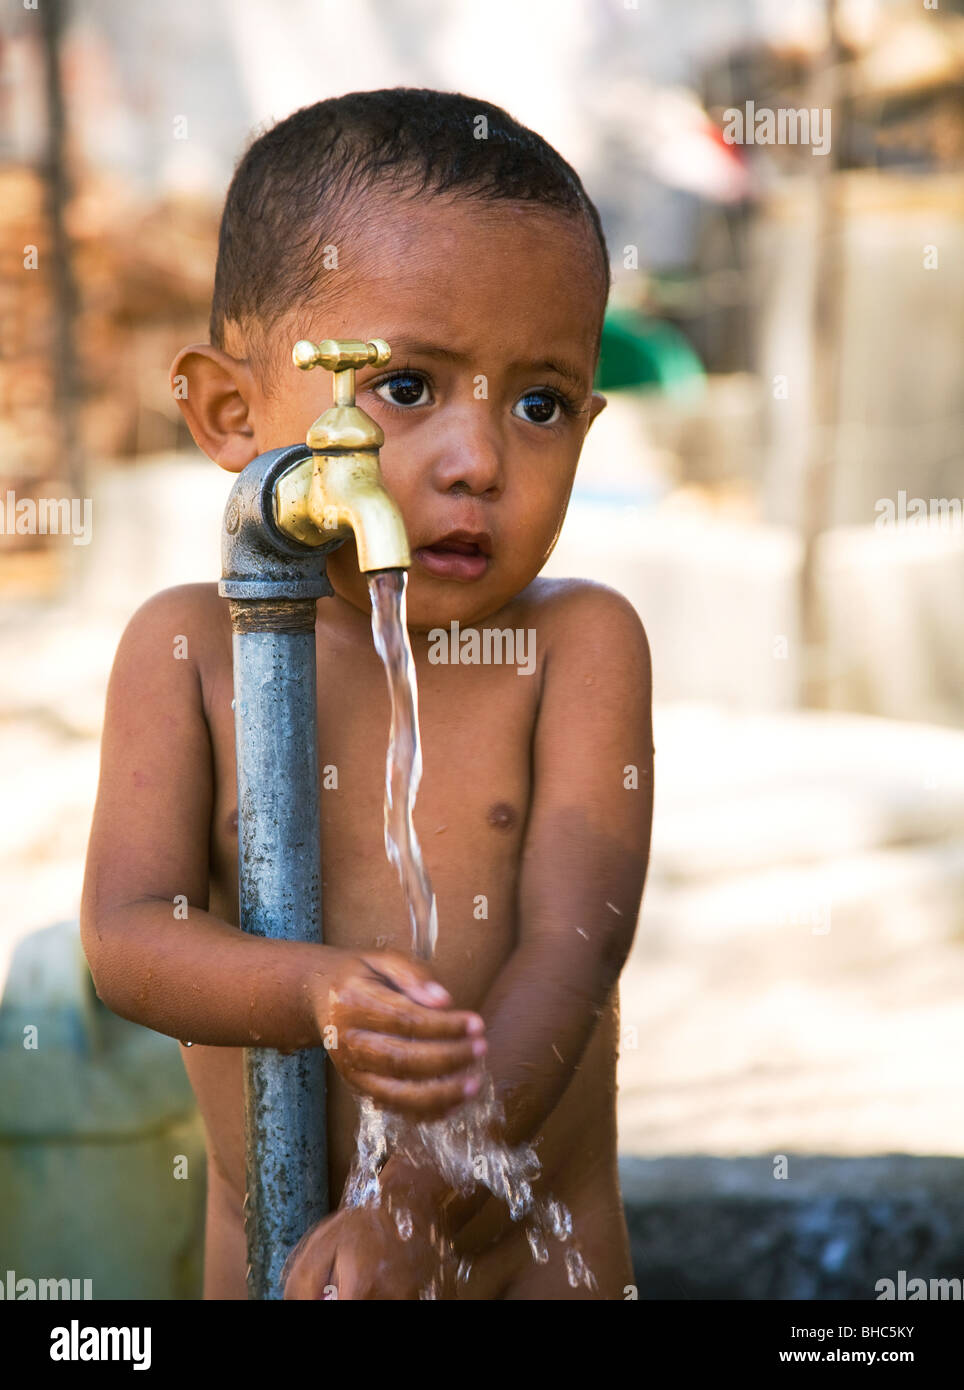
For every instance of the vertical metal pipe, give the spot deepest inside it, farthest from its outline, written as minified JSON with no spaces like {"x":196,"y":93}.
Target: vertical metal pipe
{"x":273,"y":584}
{"x":279,"y":868}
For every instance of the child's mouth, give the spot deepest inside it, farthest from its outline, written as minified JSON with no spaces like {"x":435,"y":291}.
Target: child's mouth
{"x":456,"y":557}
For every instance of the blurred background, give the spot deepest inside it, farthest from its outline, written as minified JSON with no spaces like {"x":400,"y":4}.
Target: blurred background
{"x":776,"y":484}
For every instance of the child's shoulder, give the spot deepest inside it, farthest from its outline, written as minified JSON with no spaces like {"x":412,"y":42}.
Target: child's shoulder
{"x":199,"y":602}
{"x":189,"y":620}
{"x":583,"y":614}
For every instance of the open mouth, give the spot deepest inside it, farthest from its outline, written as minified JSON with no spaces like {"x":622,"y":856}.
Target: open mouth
{"x":457,"y":556}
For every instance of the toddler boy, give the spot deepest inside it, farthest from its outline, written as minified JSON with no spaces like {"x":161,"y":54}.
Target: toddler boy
{"x":438,"y":223}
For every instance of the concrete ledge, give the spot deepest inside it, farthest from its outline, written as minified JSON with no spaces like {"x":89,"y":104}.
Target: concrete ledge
{"x":715,"y":1228}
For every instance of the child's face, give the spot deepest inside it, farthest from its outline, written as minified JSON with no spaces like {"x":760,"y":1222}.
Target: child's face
{"x":475,"y":441}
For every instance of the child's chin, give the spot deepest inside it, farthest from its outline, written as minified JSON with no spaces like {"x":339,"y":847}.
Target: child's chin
{"x":421,"y":624}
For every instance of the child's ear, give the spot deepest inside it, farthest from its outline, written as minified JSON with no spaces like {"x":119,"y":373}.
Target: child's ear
{"x":214,"y":392}
{"x":597,"y":406}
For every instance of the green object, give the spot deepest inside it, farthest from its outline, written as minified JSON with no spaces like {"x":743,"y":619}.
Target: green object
{"x":102,"y":1158}
{"x":641,"y":352}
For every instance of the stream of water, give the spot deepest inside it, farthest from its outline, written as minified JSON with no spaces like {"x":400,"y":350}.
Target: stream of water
{"x":460,"y":1146}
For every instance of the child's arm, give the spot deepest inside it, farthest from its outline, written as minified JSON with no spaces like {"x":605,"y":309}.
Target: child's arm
{"x":196,"y":977}
{"x":582,"y":875}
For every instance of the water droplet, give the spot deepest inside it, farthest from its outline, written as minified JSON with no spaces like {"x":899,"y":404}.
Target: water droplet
{"x":575,"y":1268}
{"x":537,"y":1244}
{"x":519,"y":1199}
{"x":560,"y":1220}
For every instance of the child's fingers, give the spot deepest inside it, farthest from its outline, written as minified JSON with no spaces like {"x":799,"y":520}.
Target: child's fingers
{"x":410,"y":976}
{"x":389,"y":1055}
{"x":291,"y":1269}
{"x":310,"y":1271}
{"x":343,"y":1274}
{"x":424,"y":1100}
{"x":373,"y":1005}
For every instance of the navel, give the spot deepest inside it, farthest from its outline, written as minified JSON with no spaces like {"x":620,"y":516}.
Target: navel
{"x":501,"y":816}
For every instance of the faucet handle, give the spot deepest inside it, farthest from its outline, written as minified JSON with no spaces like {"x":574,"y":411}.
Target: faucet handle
{"x":341,"y":356}
{"x":336,"y":354}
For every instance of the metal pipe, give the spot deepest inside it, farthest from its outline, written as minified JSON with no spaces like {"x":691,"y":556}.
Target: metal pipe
{"x":279,"y":846}
{"x":273,"y":584}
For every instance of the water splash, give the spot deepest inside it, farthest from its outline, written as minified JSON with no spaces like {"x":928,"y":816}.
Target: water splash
{"x":461,"y":1146}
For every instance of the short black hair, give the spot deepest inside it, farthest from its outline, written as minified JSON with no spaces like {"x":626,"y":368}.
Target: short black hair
{"x":297,"y":182}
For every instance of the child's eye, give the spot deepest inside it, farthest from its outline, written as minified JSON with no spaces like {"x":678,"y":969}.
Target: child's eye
{"x":406,"y":389}
{"x":544,"y":407}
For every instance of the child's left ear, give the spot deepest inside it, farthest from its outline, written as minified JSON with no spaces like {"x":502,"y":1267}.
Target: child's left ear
{"x":597,"y":406}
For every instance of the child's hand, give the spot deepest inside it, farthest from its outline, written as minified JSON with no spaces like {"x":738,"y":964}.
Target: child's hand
{"x":394,"y":1038}
{"x":357,"y":1253}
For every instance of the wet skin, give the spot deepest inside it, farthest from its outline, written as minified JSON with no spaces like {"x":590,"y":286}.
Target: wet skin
{"x":523,"y":801}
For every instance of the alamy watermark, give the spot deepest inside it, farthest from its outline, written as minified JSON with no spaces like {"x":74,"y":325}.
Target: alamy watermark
{"x":813,"y":913}
{"x":785,"y":126}
{"x":947,"y":513}
{"x":76,"y":1343}
{"x":492,"y":646}
{"x":12,"y":1288}
{"x":916,"y":1288}
{"x":46,"y":516}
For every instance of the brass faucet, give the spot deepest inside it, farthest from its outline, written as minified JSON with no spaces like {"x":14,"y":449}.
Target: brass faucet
{"x":339,"y":490}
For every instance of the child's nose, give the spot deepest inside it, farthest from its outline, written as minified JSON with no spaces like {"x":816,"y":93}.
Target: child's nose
{"x":470,"y":458}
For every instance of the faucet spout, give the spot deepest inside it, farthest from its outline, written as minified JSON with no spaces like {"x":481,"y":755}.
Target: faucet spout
{"x":347,"y":493}
{"x":339,"y":491}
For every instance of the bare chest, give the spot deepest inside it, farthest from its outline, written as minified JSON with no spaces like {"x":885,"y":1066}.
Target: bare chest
{"x":470,"y":814}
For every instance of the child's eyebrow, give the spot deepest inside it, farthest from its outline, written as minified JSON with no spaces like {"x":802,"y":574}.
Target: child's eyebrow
{"x":561,"y":366}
